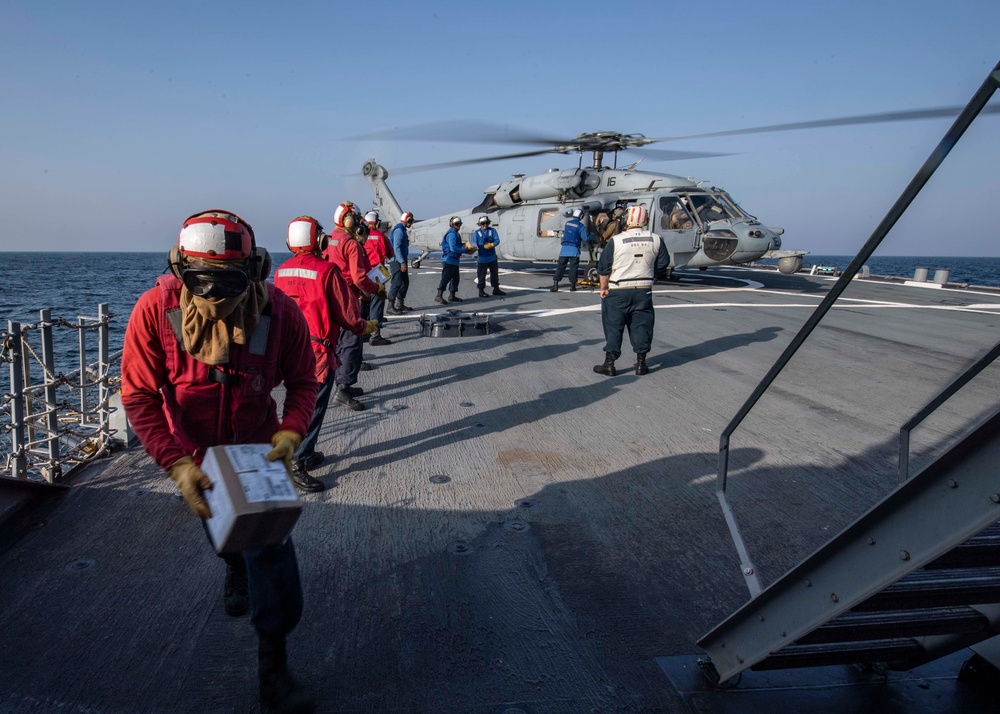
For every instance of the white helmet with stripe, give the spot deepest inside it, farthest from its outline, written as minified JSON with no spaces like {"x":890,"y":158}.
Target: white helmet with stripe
{"x":636,"y":217}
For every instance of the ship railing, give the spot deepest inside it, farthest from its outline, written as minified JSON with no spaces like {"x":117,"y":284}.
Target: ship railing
{"x":937,"y":157}
{"x":54,"y":423}
{"x":940,"y":398}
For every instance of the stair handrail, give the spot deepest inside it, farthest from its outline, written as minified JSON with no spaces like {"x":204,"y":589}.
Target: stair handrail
{"x":923,"y":175}
{"x":940,"y":398}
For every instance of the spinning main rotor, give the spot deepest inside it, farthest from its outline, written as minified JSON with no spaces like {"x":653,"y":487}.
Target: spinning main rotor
{"x":600,"y":143}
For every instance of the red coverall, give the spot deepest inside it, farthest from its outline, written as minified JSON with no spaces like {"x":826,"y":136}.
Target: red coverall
{"x":175,"y":406}
{"x":327,"y":302}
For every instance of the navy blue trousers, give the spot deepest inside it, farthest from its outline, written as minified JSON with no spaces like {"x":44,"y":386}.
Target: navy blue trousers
{"x":631,"y":308}
{"x":376,"y":310}
{"x":449,"y":274}
{"x":574,"y":268}
{"x":400,"y":282}
{"x":275,"y":588}
{"x":308,"y":446}
{"x":494,"y":270}
{"x":348,"y":352}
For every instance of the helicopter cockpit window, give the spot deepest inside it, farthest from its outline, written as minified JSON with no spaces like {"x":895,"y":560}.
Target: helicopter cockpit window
{"x":729,"y":203}
{"x":708,"y":208}
{"x":544,"y":215}
{"x":673,"y":214}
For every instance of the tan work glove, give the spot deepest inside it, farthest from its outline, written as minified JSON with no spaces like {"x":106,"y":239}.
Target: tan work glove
{"x":382,"y":294}
{"x":191,"y":480}
{"x":285,"y":444}
{"x":370,"y":327}
{"x":487,"y":245}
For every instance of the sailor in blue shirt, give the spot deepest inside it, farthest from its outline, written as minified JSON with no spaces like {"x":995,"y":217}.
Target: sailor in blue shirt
{"x":452,"y":248}
{"x":574,"y":233}
{"x":487,"y":240}
{"x":400,"y":281}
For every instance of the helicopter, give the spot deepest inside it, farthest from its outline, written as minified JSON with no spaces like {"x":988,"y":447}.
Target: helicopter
{"x":701,"y":226}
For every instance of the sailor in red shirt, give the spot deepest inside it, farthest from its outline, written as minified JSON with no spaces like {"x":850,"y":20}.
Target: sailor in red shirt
{"x":203,"y":351}
{"x":379,"y":250}
{"x":346,"y":251}
{"x":325,"y":299}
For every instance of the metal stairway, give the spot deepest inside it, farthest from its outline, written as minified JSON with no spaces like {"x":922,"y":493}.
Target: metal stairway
{"x":915,"y":578}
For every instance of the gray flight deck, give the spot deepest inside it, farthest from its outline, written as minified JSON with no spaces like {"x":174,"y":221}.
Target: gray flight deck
{"x":505,"y":531}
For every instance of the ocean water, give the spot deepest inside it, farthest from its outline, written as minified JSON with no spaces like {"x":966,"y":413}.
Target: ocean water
{"x":971,"y":271}
{"x":73,"y":284}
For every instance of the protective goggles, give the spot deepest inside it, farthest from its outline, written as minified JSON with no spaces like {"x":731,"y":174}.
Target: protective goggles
{"x":216,"y":283}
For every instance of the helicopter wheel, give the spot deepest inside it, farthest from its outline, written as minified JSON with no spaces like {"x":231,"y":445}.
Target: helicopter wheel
{"x":415,"y":264}
{"x":592,"y":275}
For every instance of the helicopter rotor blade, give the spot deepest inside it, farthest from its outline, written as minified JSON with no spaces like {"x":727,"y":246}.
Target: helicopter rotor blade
{"x":466,"y":162}
{"x":840,"y":121}
{"x":463,"y":132}
{"x":667,"y":155}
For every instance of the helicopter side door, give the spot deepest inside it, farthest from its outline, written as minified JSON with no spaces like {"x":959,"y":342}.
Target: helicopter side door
{"x":547,"y":235}
{"x":514,"y":237}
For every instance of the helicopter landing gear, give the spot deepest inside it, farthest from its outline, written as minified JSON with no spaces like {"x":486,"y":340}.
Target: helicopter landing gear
{"x":415,"y":263}
{"x":591,"y":274}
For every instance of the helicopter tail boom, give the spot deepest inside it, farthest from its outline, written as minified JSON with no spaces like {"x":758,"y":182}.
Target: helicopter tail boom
{"x":383,"y":201}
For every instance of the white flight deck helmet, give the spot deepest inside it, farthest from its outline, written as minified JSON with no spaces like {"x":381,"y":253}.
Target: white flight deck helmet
{"x":577,"y":213}
{"x":306,"y":235}
{"x":372,"y":218}
{"x":483,"y":220}
{"x":636,"y":216}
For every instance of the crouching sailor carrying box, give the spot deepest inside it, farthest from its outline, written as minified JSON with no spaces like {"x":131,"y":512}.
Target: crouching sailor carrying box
{"x":203,"y":351}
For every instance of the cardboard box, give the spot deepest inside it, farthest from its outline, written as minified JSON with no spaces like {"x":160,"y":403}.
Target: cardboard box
{"x":253,"y":500}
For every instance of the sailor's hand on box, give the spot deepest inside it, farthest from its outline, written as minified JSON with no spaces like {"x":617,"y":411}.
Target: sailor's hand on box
{"x":192,"y":481}
{"x":285,"y":444}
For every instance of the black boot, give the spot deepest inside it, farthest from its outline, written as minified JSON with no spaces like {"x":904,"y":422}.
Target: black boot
{"x":342,"y":398}
{"x":303,"y":481}
{"x":608,"y":367}
{"x":235,"y":593}
{"x":377,"y":339}
{"x":498,"y":291}
{"x":554,"y":288}
{"x":404,"y":307}
{"x":572,"y":287}
{"x":452,"y":297}
{"x":440,"y":298}
{"x":278,"y":691}
{"x":395,"y":307}
{"x":482,"y":293}
{"x":640,"y":364}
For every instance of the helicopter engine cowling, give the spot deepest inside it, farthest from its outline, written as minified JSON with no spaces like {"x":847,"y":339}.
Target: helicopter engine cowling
{"x":553,"y":184}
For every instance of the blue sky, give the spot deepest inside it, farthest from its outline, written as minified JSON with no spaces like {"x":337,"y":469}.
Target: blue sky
{"x":119,"y":119}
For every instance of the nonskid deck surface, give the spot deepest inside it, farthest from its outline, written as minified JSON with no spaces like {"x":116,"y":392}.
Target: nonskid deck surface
{"x":505,"y":530}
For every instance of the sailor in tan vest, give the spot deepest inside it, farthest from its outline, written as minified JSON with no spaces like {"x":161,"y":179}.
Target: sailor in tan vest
{"x":627,"y":267}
